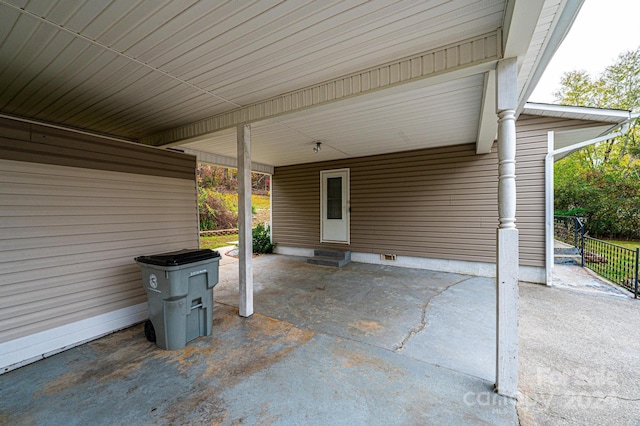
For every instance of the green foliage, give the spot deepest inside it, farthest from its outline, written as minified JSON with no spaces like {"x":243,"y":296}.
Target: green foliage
{"x":609,"y":203}
{"x":260,"y":202}
{"x":602,"y":182}
{"x":617,"y":87}
{"x":225,"y":179}
{"x":577,"y":211}
{"x":262,"y":239}
{"x":218,"y":197}
{"x":577,"y":89}
{"x":230,"y":201}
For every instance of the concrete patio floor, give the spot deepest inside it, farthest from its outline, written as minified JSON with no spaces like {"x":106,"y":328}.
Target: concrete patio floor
{"x":579,"y":352}
{"x":364,"y":344}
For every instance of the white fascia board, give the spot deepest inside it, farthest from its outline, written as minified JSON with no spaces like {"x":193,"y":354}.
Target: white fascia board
{"x":578,"y":112}
{"x":566,"y":15}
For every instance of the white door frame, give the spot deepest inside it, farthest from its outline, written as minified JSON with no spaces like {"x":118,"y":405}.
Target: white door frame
{"x":345,"y":222}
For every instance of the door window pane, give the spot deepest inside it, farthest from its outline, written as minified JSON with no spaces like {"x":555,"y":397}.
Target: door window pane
{"x":334,"y":198}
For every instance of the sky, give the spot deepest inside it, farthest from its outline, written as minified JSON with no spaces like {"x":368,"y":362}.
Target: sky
{"x":603,"y":30}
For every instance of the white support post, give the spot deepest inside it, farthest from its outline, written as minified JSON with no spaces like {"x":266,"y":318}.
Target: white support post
{"x":271,"y":208}
{"x":548,"y":208}
{"x":244,"y":221}
{"x":507,"y":234}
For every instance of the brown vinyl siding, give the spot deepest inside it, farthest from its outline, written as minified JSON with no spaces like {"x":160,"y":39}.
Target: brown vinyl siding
{"x":40,"y":144}
{"x":69,"y":235}
{"x":433,"y":203}
{"x":531,"y":150}
{"x":409,"y":203}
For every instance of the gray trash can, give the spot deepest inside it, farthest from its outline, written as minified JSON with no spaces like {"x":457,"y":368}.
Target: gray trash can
{"x":179,"y":288}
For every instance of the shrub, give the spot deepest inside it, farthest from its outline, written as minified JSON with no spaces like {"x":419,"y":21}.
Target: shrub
{"x":229,"y":200}
{"x":214,"y":211}
{"x":262,"y":239}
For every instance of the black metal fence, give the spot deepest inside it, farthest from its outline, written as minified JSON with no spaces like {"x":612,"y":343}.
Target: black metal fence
{"x":616,"y":263}
{"x":568,"y":229}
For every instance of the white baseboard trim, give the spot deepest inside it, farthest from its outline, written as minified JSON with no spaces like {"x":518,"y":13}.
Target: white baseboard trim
{"x":28,"y":349}
{"x":293,"y":251}
{"x":532,"y":274}
{"x":480,"y":269}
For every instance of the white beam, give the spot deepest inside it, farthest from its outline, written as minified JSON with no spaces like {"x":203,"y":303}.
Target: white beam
{"x":520,"y":23}
{"x":474,"y":52}
{"x":245,"y":250}
{"x":224,"y":161}
{"x":616,"y":116}
{"x":488,"y":124}
{"x":507,"y":234}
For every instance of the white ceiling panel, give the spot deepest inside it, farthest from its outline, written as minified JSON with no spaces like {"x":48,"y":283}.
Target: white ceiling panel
{"x":439,"y":115}
{"x":137,"y":68}
{"x":132,"y":19}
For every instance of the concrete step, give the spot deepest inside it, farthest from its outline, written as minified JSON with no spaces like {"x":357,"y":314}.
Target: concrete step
{"x":327,"y":261}
{"x":567,"y":259}
{"x":330,"y":257}
{"x":336,"y":254}
{"x":567,"y":250}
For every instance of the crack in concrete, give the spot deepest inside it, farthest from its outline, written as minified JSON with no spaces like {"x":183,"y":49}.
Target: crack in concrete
{"x":423,"y":318}
{"x":579,"y":395}
{"x":417,"y":329}
{"x":544,"y":406}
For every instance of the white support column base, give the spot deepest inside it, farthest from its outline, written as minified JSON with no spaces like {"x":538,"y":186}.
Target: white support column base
{"x":245,"y":249}
{"x":507,"y":313}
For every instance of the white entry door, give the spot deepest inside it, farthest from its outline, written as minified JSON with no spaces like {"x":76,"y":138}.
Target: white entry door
{"x":334,"y":206}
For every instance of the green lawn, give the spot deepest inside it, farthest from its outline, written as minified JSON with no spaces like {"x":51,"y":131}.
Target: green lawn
{"x":217,"y":241}
{"x":617,"y":265}
{"x":259,"y":202}
{"x":628,"y":244}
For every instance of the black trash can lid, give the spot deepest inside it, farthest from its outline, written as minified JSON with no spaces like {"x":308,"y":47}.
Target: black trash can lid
{"x":176,"y":258}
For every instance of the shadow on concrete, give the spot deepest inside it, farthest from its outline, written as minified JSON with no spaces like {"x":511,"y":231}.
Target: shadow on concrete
{"x":364,"y":344}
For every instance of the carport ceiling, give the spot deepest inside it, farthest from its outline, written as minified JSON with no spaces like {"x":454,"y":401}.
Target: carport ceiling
{"x":149,"y":70}
{"x":415,"y":119}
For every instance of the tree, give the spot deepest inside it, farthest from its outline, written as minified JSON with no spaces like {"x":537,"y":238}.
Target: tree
{"x":218,"y":195}
{"x":602,"y":182}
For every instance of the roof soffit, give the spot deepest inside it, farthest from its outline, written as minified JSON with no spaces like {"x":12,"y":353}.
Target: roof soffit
{"x":134,"y":68}
{"x":468,"y":57}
